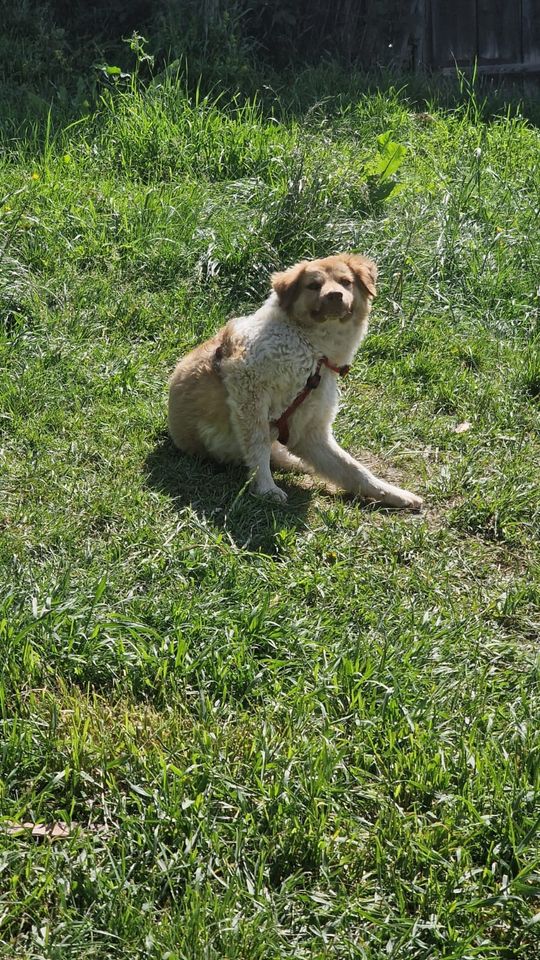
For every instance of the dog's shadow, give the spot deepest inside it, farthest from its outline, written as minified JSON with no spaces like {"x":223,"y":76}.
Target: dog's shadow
{"x":219,"y":495}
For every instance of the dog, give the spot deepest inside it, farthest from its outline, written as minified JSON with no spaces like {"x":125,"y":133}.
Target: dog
{"x":264,"y":389}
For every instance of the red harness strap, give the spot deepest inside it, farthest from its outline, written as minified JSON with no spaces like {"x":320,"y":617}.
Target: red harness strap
{"x":312,"y":383}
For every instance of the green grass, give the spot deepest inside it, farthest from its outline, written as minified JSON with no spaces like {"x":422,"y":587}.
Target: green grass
{"x":303,"y":732}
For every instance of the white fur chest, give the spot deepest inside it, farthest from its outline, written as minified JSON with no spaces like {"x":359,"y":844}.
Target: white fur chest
{"x":277,"y":359}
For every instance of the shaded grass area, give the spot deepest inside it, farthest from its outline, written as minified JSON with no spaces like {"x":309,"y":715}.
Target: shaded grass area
{"x":299,"y":731}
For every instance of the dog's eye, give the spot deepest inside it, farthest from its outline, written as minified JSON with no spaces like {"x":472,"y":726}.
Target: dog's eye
{"x":345,"y":283}
{"x":314,"y":285}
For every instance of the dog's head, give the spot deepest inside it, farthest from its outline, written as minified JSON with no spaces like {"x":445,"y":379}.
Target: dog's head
{"x":336,"y":288}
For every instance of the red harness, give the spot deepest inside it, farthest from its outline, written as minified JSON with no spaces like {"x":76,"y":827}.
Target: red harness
{"x":312,"y":383}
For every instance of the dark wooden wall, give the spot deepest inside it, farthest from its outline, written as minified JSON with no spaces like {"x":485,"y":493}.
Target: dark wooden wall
{"x":503,"y":36}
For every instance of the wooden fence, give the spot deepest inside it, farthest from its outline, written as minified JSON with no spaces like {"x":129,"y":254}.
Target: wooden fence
{"x":502,"y":36}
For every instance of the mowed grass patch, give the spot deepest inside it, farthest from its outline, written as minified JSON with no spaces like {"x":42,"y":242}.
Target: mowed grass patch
{"x":298,"y":731}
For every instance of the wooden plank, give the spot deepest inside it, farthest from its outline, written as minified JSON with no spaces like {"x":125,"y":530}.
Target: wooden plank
{"x":500,"y":69}
{"x":408,"y":34}
{"x":420,"y":37}
{"x":453,"y":32}
{"x":531,"y":31}
{"x":499,"y":31}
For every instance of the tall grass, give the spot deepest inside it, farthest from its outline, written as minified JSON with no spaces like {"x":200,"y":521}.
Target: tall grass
{"x":308,"y":731}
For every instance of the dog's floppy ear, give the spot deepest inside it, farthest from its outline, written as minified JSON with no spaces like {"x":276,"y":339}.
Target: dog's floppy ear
{"x":286,"y":284}
{"x":365,"y":272}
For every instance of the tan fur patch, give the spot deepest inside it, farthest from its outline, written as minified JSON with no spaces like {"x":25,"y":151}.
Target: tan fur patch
{"x":287,"y":282}
{"x":365,"y":271}
{"x":197,"y":398}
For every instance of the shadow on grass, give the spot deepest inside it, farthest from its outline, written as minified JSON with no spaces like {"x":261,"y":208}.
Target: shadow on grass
{"x":217,"y":494}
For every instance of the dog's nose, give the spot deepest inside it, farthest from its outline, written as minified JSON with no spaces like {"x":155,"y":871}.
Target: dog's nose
{"x":334,"y":296}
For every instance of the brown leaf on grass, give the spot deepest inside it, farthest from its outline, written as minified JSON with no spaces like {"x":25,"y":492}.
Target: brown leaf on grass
{"x":462,"y":427}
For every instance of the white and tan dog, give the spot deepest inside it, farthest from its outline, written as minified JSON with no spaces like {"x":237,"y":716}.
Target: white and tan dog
{"x":272,"y":377}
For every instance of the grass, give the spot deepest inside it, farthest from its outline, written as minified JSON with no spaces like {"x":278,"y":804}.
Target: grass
{"x":307,"y":731}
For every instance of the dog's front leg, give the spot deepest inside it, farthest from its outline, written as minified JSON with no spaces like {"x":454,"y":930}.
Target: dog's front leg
{"x":334,"y":464}
{"x":253,"y":434}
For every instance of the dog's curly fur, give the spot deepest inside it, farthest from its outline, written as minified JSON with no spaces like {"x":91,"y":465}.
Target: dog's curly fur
{"x":225,"y":395}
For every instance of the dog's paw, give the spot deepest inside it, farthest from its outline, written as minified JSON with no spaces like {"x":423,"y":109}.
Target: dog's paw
{"x":413,"y":502}
{"x":404,"y":500}
{"x":271,"y":493}
{"x":390,"y":496}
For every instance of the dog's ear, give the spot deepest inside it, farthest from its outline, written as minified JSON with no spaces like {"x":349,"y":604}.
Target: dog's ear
{"x":287,"y":282}
{"x":365,"y":272}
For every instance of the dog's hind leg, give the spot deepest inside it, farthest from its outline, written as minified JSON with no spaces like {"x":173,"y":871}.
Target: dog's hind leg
{"x":283,"y":459}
